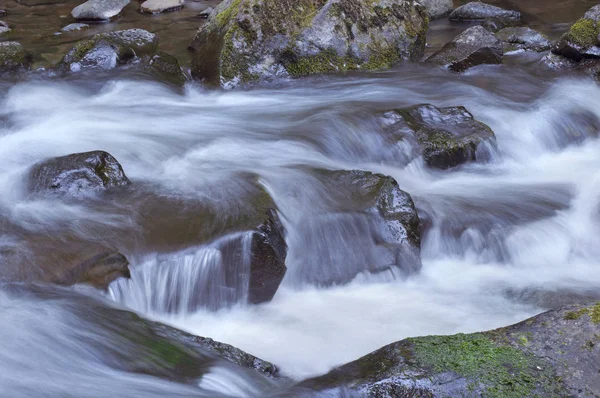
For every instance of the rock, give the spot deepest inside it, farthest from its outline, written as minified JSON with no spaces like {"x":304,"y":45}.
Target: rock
{"x":496,"y":24}
{"x":556,"y":353}
{"x":267,"y":265}
{"x":206,"y":13}
{"x":98,"y":10}
{"x":13,"y":57}
{"x":98,"y":270}
{"x":445,"y":137}
{"x":478,"y":11}
{"x":3,"y":13}
{"x":166,"y":68}
{"x":158,"y":6}
{"x":475,"y":46}
{"x":108,"y":50}
{"x":253,"y":40}
{"x":523,"y":38}
{"x":75,"y":27}
{"x":437,"y":8}
{"x":4,"y":28}
{"x":579,"y":47}
{"x":77,"y":174}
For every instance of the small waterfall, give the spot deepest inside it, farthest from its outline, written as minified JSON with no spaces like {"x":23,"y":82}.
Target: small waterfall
{"x":212,"y":276}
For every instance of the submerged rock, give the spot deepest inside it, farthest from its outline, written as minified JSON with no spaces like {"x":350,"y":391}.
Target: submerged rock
{"x":477,"y":11}
{"x":106,"y":51}
{"x":99,"y":270}
{"x":158,"y":6}
{"x":166,"y":67}
{"x":475,"y":46}
{"x":437,"y":8}
{"x":3,"y":13}
{"x":206,"y":13}
{"x":496,"y":24}
{"x":251,"y":40}
{"x":267,"y":264}
{"x":98,"y":10}
{"x":445,"y":137}
{"x":75,"y":27}
{"x":4,"y":28}
{"x":580,"y":46}
{"x":556,"y":353}
{"x":13,"y":57}
{"x":523,"y":38}
{"x":77,"y":174}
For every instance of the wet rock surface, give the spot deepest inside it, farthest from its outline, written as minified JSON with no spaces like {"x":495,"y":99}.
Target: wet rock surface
{"x":166,"y":67}
{"x":13,"y":57}
{"x":106,"y":51}
{"x":523,"y":38}
{"x":4,"y":28}
{"x":477,"y":11}
{"x":445,"y":137}
{"x":158,"y":6}
{"x":438,"y":8}
{"x":475,"y":46}
{"x":515,"y":361}
{"x":98,"y":270}
{"x":78,"y":174}
{"x":253,"y":40}
{"x":98,"y":10}
{"x":75,"y":27}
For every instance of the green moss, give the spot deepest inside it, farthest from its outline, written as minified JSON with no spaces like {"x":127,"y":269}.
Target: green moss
{"x":382,"y":58}
{"x":500,"y":371}
{"x":523,"y":340}
{"x":593,"y":312}
{"x":323,"y":62}
{"x":224,"y":17}
{"x":584,"y":33}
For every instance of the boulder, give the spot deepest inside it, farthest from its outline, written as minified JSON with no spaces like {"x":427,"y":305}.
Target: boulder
{"x":496,"y":24}
{"x":13,"y":57}
{"x":437,"y":8}
{"x":98,"y":10}
{"x":554,"y":354}
{"x":206,"y":13}
{"x":79,"y":174}
{"x":99,"y":270}
{"x":166,"y":68}
{"x":267,"y":264}
{"x":253,"y":40}
{"x":579,"y":47}
{"x":106,"y":51}
{"x":158,"y":6}
{"x":523,"y":38}
{"x":75,"y":27}
{"x":4,"y":28}
{"x":475,"y":46}
{"x":478,"y":11}
{"x":445,"y":137}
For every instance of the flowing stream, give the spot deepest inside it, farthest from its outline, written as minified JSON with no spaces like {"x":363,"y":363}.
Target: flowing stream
{"x":502,"y":240}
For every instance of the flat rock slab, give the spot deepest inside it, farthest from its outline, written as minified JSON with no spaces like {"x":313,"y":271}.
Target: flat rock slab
{"x":98,"y":10}
{"x":75,"y":27}
{"x":523,"y":38}
{"x":474,"y":46}
{"x":158,"y":6}
{"x":477,"y":11}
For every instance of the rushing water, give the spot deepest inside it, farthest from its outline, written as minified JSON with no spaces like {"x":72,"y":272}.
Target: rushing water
{"x":502,"y":240}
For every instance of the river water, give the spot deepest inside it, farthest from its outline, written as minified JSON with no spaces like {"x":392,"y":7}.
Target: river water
{"x":502,"y":240}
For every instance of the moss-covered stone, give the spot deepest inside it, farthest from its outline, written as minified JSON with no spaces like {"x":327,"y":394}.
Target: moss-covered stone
{"x":253,"y":40}
{"x":584,"y":32}
{"x":166,"y":68}
{"x":13,"y":57}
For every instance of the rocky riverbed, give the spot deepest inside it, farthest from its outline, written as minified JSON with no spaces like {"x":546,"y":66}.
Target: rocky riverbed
{"x":316,"y":182}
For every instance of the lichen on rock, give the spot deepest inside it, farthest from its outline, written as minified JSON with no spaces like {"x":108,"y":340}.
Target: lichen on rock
{"x":253,"y":40}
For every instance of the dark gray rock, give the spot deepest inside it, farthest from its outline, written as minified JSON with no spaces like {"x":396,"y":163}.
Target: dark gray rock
{"x":99,"y":270}
{"x":478,"y":11}
{"x":78,"y":174}
{"x":252,"y":40}
{"x":580,"y":46}
{"x":267,"y":265}
{"x":445,"y":137}
{"x":13,"y":57}
{"x":98,"y":10}
{"x":158,"y":6}
{"x":523,"y":38}
{"x":554,"y":354}
{"x":475,"y":46}
{"x":495,"y":24}
{"x":437,"y":8}
{"x":3,"y":13}
{"x":106,"y":51}
{"x":4,"y":28}
{"x":166,"y":68}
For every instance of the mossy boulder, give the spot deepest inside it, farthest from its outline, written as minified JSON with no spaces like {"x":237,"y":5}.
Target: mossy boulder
{"x":247,"y":41}
{"x":78,"y":174}
{"x":438,"y":8}
{"x":523,"y":38}
{"x":166,"y":68}
{"x":13,"y":57}
{"x":106,"y":51}
{"x":475,"y":46}
{"x":555,"y":354}
{"x":579,"y":47}
{"x":478,"y":11}
{"x":445,"y":137}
